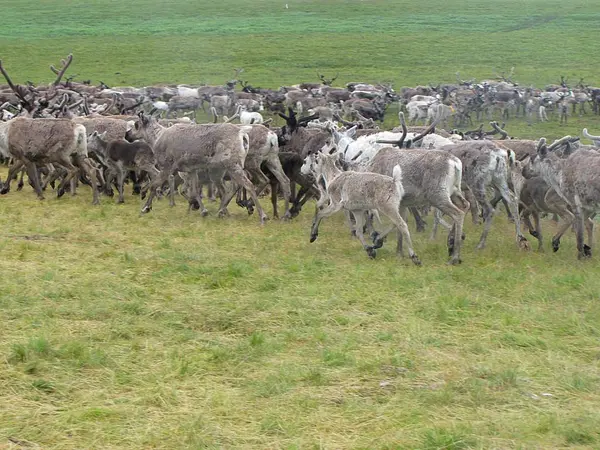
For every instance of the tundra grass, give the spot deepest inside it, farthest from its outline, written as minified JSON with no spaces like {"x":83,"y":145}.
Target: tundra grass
{"x":189,"y":41}
{"x":175,"y":331}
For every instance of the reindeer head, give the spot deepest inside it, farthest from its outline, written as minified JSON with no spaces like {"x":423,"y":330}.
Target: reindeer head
{"x":96,"y":145}
{"x":141,"y":128}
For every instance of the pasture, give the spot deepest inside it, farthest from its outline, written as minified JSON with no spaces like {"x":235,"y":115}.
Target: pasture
{"x":171,"y":330}
{"x":176,"y":331}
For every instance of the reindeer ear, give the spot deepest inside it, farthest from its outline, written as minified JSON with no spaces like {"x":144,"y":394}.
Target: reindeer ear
{"x":351,"y":132}
{"x":94,"y":134}
{"x":543,"y":151}
{"x":568,"y":149}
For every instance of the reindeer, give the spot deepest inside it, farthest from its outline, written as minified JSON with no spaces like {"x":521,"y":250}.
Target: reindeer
{"x":487,"y":167}
{"x":574,"y":175}
{"x":357,"y":193}
{"x":120,"y":156}
{"x":48,"y":141}
{"x":209,"y":150}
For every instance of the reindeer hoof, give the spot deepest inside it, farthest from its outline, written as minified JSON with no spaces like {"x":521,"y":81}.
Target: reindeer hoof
{"x":534,"y":233}
{"x":587,"y":251}
{"x":524,"y":244}
{"x":378,"y":243}
{"x":4,"y":190}
{"x":313,"y":238}
{"x":415,"y":259}
{"x":204,"y":213}
{"x":146,"y":209}
{"x":371,"y":252}
{"x":120,"y":201}
{"x":555,"y":245}
{"x":60,"y":192}
{"x":19,"y":187}
{"x":455,"y":262}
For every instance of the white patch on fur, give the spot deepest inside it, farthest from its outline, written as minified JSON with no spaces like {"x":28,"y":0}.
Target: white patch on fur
{"x":80,"y":140}
{"x":4,"y":139}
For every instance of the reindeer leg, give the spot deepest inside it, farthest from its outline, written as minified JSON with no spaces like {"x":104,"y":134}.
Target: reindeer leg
{"x":238,"y":176}
{"x":17,"y":165}
{"x":418,"y":219}
{"x":33,"y":175}
{"x":155,"y":184}
{"x":85,"y":165}
{"x":322,"y":212}
{"x":20,"y":184}
{"x":274,"y":188}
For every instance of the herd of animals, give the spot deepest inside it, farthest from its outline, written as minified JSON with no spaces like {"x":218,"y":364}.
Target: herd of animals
{"x":70,"y":133}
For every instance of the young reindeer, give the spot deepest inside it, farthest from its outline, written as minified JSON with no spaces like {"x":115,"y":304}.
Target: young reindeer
{"x":120,"y":156}
{"x":357,"y":193}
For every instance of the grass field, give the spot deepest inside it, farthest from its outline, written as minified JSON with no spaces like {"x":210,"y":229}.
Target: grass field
{"x":184,"y":41}
{"x":173,"y":331}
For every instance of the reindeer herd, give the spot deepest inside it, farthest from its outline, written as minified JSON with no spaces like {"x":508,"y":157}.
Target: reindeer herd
{"x":72,"y":133}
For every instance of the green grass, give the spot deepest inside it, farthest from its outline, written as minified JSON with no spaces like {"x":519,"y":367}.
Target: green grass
{"x":187,"y":41}
{"x":176,"y":331}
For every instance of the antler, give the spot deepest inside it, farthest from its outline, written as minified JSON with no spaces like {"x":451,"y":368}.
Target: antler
{"x":563,"y":140}
{"x":76,"y":104}
{"x":140,"y":102}
{"x":510,"y":75}
{"x":109,"y":106}
{"x":235,"y":116}
{"x":86,"y":107}
{"x":400,"y":141}
{"x":306,"y":119}
{"x":20,"y":91}
{"x":62,"y":103}
{"x":429,"y":129}
{"x":237,"y":72}
{"x":499,"y":130}
{"x":61,"y":72}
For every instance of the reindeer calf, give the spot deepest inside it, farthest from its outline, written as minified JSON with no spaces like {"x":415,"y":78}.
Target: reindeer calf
{"x":357,"y":193}
{"x":121,"y":156}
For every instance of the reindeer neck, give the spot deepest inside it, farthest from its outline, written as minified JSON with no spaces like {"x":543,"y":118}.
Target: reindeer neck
{"x":153,"y":131}
{"x":329,"y":170}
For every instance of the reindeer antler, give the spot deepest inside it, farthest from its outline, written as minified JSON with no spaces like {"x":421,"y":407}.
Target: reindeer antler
{"x":65,"y":65}
{"x":20,"y":91}
{"x":497,"y":129}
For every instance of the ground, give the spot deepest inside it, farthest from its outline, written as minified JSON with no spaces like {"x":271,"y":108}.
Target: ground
{"x":170,"y":330}
{"x":175,"y":331}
